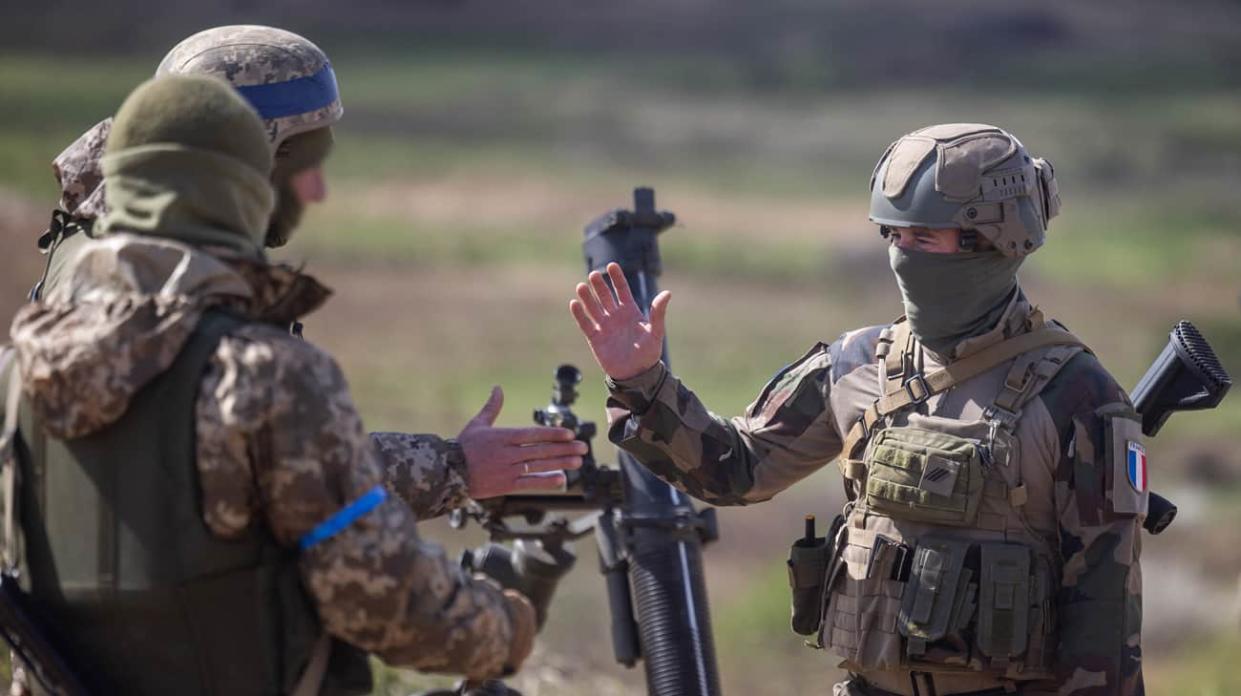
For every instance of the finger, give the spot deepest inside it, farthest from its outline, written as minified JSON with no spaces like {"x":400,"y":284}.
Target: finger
{"x":659,"y":314}
{"x":491,"y":410}
{"x":535,"y":434}
{"x":600,"y":286}
{"x":587,"y":325}
{"x":553,"y":464}
{"x":622,"y":286}
{"x":590,"y":303}
{"x":553,"y":481}
{"x":550,"y":450}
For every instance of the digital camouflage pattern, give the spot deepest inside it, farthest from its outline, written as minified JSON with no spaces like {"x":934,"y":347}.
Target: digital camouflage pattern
{"x":80,"y":174}
{"x":799,"y":420}
{"x":279,"y":443}
{"x":243,"y":55}
{"x":256,"y":55}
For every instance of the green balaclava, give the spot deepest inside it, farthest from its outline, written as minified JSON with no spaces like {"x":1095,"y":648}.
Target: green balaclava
{"x":188,"y":159}
{"x":296,"y":154}
{"x":951,"y":297}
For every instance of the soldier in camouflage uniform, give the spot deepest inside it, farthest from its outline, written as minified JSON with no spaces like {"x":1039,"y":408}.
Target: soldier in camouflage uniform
{"x":990,"y":543}
{"x":201,"y":508}
{"x":290,"y":82}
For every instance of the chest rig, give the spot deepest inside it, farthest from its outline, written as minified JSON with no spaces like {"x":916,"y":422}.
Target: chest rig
{"x":938,"y":569}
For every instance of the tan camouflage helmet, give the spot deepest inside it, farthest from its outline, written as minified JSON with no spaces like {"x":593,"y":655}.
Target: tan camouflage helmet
{"x":285,"y":77}
{"x":968,"y":176}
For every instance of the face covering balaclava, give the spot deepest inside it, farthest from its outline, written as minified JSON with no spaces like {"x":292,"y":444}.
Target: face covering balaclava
{"x":951,"y":297}
{"x":188,"y":159}
{"x":296,"y":154}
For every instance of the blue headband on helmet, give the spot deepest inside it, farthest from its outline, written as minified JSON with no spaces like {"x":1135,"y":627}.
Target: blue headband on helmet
{"x":297,"y":96}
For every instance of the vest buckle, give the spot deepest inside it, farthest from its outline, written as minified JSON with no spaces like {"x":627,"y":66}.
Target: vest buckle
{"x":923,"y":391}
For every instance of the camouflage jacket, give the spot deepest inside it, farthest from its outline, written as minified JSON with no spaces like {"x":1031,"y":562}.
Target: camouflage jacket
{"x":425,"y":470}
{"x":798,"y":424}
{"x":279,"y":441}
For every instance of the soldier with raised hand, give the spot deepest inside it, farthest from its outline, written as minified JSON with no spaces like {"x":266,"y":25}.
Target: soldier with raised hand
{"x":201,"y":509}
{"x":290,"y":83}
{"x":990,"y":543}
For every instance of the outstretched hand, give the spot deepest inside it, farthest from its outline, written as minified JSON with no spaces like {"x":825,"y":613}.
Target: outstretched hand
{"x":500,"y":461}
{"x":624,"y":342}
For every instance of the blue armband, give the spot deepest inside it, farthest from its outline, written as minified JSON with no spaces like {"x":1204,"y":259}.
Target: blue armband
{"x":344,"y":517}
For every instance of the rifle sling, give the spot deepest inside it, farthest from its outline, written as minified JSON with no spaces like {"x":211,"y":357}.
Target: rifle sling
{"x":919,"y":388}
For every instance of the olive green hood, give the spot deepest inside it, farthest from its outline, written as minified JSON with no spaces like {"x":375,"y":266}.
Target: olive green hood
{"x":188,"y":160}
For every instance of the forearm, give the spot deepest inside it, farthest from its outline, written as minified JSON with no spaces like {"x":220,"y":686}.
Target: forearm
{"x":783,"y":437}
{"x":380,"y":587}
{"x":426,"y":471}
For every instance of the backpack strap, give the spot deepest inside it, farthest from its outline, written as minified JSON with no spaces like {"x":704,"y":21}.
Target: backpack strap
{"x":920,"y":387}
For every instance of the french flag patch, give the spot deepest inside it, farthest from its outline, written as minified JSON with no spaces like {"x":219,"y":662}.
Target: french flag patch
{"x":1137,"y":466}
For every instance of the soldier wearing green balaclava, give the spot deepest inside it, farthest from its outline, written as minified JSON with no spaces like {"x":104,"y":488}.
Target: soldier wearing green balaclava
{"x":216,"y":519}
{"x":184,"y":162}
{"x":969,"y":177}
{"x":990,"y":542}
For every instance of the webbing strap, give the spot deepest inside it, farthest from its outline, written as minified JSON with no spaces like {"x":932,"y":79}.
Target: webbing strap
{"x":8,"y":458}
{"x":922,"y":387}
{"x":311,"y":681}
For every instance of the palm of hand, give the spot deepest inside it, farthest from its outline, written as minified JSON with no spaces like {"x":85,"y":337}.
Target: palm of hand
{"x":624,"y":342}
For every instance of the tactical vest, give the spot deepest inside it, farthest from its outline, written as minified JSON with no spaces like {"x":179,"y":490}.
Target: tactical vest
{"x":137,"y":592}
{"x":937,"y":568}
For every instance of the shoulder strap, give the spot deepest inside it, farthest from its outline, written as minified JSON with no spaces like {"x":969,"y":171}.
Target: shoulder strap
{"x":8,"y":458}
{"x":921,"y":387}
{"x":1026,"y":379}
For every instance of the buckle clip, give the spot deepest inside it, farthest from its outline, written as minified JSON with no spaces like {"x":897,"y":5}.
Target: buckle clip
{"x":920,"y":381}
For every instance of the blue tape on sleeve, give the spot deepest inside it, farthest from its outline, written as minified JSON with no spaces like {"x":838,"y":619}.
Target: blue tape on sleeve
{"x":297,"y":96}
{"x":344,"y":517}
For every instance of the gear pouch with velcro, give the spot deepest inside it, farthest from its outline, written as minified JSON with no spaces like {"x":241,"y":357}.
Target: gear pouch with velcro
{"x":938,"y":601}
{"x":1014,"y":606}
{"x":924,"y":476}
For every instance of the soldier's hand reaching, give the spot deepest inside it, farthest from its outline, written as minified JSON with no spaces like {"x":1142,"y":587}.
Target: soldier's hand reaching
{"x":624,"y":342}
{"x":500,"y":461}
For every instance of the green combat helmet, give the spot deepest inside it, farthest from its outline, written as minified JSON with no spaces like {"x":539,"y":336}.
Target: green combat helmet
{"x":968,"y":176}
{"x":285,"y":77}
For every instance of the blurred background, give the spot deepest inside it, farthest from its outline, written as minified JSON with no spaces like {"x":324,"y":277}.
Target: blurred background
{"x":479,"y":138}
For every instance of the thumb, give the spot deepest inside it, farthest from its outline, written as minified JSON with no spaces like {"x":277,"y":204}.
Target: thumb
{"x":490,"y":410}
{"x":659,"y":313}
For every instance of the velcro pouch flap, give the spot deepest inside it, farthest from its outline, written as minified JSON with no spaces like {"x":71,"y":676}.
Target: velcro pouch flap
{"x":931,"y":600}
{"x":1003,"y":600}
{"x":924,"y":475}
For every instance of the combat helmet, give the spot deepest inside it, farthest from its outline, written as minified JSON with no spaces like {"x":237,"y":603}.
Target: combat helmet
{"x":969,"y":176}
{"x":285,"y":77}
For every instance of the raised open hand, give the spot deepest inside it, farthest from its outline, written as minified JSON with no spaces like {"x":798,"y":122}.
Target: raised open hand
{"x":624,"y":342}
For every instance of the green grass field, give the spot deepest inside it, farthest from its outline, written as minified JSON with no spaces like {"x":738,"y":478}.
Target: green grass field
{"x":460,"y":185}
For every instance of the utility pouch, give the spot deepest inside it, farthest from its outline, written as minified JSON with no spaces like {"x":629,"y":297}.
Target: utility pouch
{"x":938,"y":599}
{"x":1004,"y":601}
{"x":924,"y":476}
{"x":809,"y":560}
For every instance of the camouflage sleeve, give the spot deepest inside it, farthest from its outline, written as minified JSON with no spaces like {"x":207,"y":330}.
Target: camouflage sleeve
{"x":784,"y":436}
{"x":426,"y":471}
{"x":1101,"y":502}
{"x":280,"y":442}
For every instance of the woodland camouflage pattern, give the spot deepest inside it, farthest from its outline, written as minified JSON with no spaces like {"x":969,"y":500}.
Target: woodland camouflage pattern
{"x":279,"y":441}
{"x":797,"y":425}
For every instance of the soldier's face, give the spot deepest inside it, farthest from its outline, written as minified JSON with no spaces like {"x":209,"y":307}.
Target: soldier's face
{"x":309,"y":185}
{"x":941,"y":241}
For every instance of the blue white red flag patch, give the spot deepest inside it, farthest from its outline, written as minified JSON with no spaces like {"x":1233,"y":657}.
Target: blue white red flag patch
{"x":1137,"y":466}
